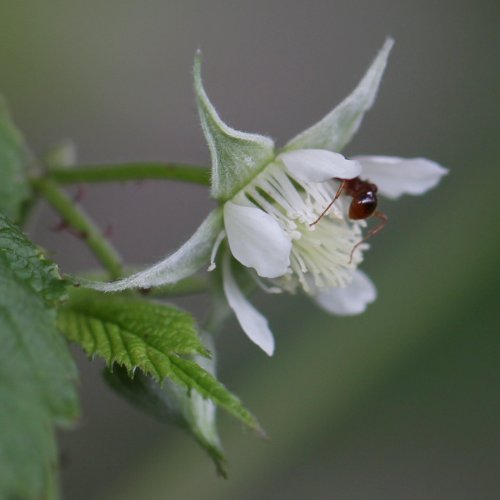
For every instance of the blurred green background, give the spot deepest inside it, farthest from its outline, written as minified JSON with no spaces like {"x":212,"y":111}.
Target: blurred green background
{"x":401,"y":402}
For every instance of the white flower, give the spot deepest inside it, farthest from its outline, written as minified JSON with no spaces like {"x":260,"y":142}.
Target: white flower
{"x":268,"y":228}
{"x":270,"y":204}
{"x":269,"y":222}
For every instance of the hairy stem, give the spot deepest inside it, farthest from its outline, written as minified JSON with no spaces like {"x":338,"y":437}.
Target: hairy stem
{"x":82,"y":224}
{"x":130,"y":172}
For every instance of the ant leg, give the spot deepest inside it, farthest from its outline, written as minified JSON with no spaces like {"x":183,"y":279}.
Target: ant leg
{"x":337,"y":194}
{"x":372,"y":232}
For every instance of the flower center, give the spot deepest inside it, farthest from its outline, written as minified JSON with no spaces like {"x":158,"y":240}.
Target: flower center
{"x":320,"y":254}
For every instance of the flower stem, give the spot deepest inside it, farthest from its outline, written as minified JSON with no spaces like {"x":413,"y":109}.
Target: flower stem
{"x":79,"y":221}
{"x":130,"y":172}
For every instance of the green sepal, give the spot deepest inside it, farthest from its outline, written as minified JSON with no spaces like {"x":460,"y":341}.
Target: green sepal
{"x":237,"y":157}
{"x":37,"y":373}
{"x":14,"y":185}
{"x":338,"y":127}
{"x":184,"y":262}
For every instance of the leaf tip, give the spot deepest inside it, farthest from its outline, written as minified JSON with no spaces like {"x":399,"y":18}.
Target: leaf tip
{"x":221,"y":467}
{"x":259,"y":430}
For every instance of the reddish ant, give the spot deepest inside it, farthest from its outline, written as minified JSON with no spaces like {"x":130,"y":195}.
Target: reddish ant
{"x":363,"y":205}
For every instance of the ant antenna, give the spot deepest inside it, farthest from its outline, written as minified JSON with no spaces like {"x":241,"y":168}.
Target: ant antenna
{"x":383,"y":221}
{"x":337,"y":194}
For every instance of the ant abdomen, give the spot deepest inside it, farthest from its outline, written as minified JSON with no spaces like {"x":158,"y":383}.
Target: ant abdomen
{"x":363,"y":205}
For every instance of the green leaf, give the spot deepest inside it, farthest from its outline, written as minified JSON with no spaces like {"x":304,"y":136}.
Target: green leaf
{"x":36,"y":370}
{"x":131,"y":332}
{"x":139,"y":334}
{"x":27,"y":264}
{"x":14,"y":186}
{"x":338,"y":127}
{"x":172,"y":403}
{"x":237,"y":157}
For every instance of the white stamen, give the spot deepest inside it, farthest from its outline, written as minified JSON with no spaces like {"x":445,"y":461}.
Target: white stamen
{"x":215,"y":249}
{"x":320,"y":254}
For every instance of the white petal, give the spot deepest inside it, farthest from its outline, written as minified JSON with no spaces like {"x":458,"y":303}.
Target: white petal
{"x":396,"y":176}
{"x":254,"y":324}
{"x":351,"y":299}
{"x":257,"y":240}
{"x":187,"y":260}
{"x":319,"y":165}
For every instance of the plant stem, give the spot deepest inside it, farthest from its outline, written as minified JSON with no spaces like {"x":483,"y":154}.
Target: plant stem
{"x":79,"y":221}
{"x":130,"y":172}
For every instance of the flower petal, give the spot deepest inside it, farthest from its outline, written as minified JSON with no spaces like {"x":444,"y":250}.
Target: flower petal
{"x":319,"y":165}
{"x":351,"y":299}
{"x":253,"y":323}
{"x":257,"y":240}
{"x":187,"y":260}
{"x":396,"y":176}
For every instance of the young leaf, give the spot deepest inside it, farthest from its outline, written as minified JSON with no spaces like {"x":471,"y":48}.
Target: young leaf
{"x":36,"y":370}
{"x":172,"y":403}
{"x":14,"y":186}
{"x":237,"y":156}
{"x":338,"y":127}
{"x":145,"y":335}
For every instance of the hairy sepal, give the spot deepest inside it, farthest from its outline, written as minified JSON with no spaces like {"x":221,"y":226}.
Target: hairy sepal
{"x":186,"y":261}
{"x":237,"y":157}
{"x":338,"y":127}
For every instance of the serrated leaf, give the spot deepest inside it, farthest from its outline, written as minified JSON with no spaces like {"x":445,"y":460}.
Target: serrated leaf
{"x":175,"y":404}
{"x":36,"y":370}
{"x":28,"y":264}
{"x":131,"y":332}
{"x":338,"y":127}
{"x":140,"y":334}
{"x":14,"y":186}
{"x":237,"y":157}
{"x":191,"y":375}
